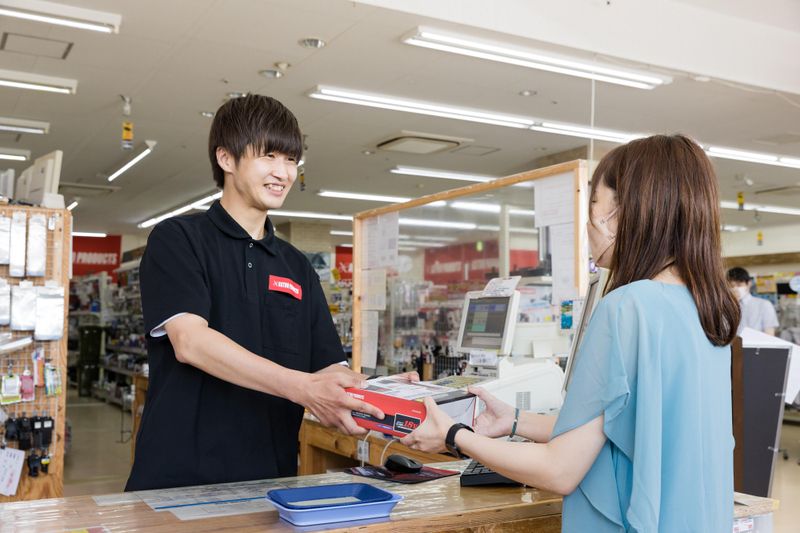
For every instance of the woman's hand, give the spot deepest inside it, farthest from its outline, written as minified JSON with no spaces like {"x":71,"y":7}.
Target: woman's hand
{"x":497,"y":419}
{"x":429,"y":436}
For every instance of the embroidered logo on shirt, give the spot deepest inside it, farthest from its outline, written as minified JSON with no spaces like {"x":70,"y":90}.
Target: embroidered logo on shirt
{"x":285,"y":285}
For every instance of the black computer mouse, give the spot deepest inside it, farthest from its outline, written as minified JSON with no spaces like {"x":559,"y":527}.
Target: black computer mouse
{"x":402,"y":464}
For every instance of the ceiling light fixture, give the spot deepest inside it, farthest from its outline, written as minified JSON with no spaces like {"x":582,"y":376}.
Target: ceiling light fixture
{"x":14,"y":154}
{"x":733,"y":228}
{"x":36,"y":82}
{"x":311,"y":42}
{"x":73,"y":205}
{"x":407,"y":249}
{"x":236,"y":94}
{"x":18,"y":125}
{"x":348,"y":96}
{"x":308,"y":214}
{"x":61,"y":15}
{"x":183,"y":209}
{"x":511,"y":229}
{"x":207,"y":114}
{"x":503,"y":53}
{"x":149,"y":145}
{"x":271,"y":73}
{"x":424,"y":244}
{"x":427,"y":238}
{"x":449,"y":175}
{"x":584,"y":132}
{"x":360,"y":196}
{"x":761,"y":208}
{"x":436,"y":223}
{"x":342,"y":233}
{"x":88,"y":234}
{"x":753,"y":157}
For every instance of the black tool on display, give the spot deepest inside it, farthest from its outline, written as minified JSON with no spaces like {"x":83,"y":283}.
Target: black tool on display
{"x":34,"y":464}
{"x":12,"y":430}
{"x":25,"y":438}
{"x":47,"y":431}
{"x":45,"y":462}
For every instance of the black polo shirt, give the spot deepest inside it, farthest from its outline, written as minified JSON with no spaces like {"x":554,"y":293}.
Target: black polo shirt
{"x":265,"y":296}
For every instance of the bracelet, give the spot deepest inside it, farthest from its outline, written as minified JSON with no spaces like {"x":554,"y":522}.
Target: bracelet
{"x":514,"y":426}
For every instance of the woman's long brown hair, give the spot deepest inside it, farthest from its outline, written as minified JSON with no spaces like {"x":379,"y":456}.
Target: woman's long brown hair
{"x":669,"y":215}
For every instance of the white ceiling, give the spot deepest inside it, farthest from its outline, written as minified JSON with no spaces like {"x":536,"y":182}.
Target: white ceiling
{"x":176,"y":63}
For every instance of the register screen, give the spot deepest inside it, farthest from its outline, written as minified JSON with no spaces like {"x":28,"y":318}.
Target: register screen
{"x":486,"y":319}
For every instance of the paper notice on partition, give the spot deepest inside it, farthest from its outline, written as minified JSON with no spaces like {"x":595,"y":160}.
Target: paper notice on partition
{"x":11,"y":462}
{"x":369,"y":339}
{"x":554,"y":200}
{"x":373,"y":293}
{"x":562,"y":249}
{"x":379,"y":241}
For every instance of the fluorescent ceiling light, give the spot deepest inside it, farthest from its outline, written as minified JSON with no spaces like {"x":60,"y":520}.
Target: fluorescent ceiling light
{"x":72,"y":206}
{"x":88,"y":234}
{"x":510,"y":229}
{"x":761,"y":208}
{"x":752,"y":157}
{"x":61,"y":15}
{"x":149,"y":145}
{"x":522,"y":212}
{"x":468,"y":46}
{"x":36,"y":82}
{"x":436,"y":223}
{"x":423,"y":244}
{"x":18,"y":125}
{"x":342,"y":233}
{"x":489,"y":208}
{"x":584,"y":132}
{"x":348,"y":96}
{"x":360,"y":196}
{"x":407,"y":249}
{"x":449,"y":175}
{"x":14,"y":154}
{"x":180,"y":210}
{"x":346,"y":245}
{"x":427,"y":238}
{"x":308,"y":214}
{"x":733,"y":228}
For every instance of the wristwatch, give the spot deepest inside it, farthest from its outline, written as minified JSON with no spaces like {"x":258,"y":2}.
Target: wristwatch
{"x":450,"y":439}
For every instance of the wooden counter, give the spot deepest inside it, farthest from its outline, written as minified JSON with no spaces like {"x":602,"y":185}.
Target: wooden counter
{"x":439,"y":505}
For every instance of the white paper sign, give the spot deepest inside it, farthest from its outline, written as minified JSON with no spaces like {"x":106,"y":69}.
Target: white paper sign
{"x":501,"y":286}
{"x":482,"y":358}
{"x":554,"y":200}
{"x":380,"y":238}
{"x":373,"y":295}
{"x":11,"y":462}
{"x":369,"y":339}
{"x":562,"y":249}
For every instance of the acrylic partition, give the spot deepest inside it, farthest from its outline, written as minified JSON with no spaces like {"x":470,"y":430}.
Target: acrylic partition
{"x":413,"y":263}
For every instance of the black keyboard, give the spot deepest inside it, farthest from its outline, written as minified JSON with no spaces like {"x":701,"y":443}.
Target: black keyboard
{"x":477,"y":474}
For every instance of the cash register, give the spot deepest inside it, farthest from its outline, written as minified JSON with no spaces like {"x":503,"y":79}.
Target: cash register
{"x":530,"y":383}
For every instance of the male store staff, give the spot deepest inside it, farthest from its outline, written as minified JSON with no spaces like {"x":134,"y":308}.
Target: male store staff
{"x":757,"y":313}
{"x":240,"y":338}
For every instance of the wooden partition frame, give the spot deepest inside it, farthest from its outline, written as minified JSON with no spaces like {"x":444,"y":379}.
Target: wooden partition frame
{"x":580,"y":170}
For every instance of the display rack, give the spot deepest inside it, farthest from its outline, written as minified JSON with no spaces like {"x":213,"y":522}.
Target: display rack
{"x":49,"y":485}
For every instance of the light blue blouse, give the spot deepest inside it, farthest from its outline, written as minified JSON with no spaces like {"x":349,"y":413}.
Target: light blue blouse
{"x":665,"y":390}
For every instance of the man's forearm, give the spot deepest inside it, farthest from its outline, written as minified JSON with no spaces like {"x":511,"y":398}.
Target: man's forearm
{"x":537,"y":428}
{"x":214,"y":353}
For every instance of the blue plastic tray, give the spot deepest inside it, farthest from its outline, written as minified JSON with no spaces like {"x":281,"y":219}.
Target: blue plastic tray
{"x":324,"y":504}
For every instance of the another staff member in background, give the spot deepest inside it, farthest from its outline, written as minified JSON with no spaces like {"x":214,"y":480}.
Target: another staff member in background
{"x":644,"y":440}
{"x":757,"y":313}
{"x":240,"y":338}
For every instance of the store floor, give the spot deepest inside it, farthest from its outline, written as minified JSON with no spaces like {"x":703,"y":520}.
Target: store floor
{"x":99,"y":464}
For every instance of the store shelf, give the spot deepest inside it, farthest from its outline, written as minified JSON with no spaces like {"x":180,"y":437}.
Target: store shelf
{"x":119,"y":370}
{"x":126,"y":349}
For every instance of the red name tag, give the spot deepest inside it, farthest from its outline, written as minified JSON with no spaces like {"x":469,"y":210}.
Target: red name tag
{"x":285,"y":285}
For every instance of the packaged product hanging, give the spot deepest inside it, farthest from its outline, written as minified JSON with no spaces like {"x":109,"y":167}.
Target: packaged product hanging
{"x":49,"y":312}
{"x":23,"y":306}
{"x":5,"y":239}
{"x":5,"y":302}
{"x":52,"y":380}
{"x":16,"y":267}
{"x":37,"y":245}
{"x":10,"y":387}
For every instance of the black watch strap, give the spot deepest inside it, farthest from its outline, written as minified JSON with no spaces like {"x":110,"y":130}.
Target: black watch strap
{"x":450,"y":439}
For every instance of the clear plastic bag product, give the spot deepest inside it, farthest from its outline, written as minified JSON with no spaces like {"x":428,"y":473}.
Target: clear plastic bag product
{"x":5,"y":302}
{"x":16,"y":267}
{"x":23,"y":306}
{"x":5,"y":239}
{"x":37,"y":245}
{"x":49,"y":313}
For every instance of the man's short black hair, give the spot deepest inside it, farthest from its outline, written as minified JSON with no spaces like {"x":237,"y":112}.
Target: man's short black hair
{"x":738,"y":274}
{"x":255,"y":121}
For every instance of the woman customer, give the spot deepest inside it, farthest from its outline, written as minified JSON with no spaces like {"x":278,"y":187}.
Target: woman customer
{"x":643,"y":441}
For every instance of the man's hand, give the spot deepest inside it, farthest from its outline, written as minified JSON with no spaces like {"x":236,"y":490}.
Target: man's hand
{"x":323,"y":394}
{"x":429,"y":436}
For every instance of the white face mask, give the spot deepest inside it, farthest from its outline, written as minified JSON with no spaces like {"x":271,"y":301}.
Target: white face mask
{"x":741,"y":292}
{"x":601,"y":238}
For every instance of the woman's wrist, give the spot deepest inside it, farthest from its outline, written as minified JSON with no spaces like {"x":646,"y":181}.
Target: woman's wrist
{"x":514,"y":424}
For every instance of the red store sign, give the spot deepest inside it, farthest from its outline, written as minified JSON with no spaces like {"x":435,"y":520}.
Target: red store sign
{"x":91,"y":254}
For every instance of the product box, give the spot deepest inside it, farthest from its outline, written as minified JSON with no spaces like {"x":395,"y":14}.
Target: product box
{"x":401,"y":402}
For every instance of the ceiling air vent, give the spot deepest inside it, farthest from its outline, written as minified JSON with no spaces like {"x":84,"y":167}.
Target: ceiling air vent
{"x":35,"y":46}
{"x":413,"y":142}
